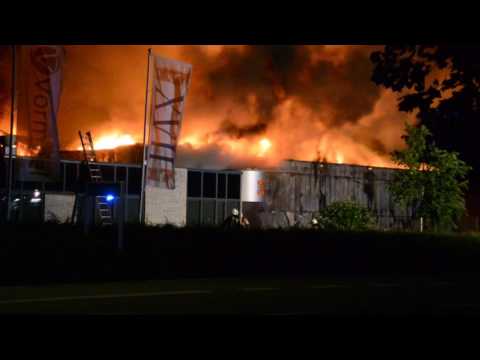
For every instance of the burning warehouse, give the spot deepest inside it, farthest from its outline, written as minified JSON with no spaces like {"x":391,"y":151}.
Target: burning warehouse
{"x":247,"y":109}
{"x":287,"y":195}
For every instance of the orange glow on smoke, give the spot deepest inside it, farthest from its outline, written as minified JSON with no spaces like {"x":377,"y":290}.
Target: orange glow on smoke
{"x":296,"y":128}
{"x":191,"y":140}
{"x":300,"y":134}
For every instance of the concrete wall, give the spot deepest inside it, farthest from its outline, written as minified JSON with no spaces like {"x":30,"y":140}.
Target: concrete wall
{"x":164,"y":206}
{"x":59,"y":206}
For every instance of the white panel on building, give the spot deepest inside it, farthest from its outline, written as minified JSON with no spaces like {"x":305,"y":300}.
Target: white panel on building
{"x":167,"y":206}
{"x":59,"y":206}
{"x":252,"y":186}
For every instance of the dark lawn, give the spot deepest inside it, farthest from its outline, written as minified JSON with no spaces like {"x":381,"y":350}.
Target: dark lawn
{"x":272,"y":297}
{"x":49,"y":253}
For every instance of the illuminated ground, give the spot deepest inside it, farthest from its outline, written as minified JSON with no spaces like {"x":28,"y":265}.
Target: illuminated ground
{"x":273,"y":297}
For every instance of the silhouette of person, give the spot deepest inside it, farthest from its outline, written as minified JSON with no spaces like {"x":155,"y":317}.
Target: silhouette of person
{"x":236,"y":221}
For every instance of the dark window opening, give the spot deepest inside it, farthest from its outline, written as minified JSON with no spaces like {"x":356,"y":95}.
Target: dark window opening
{"x":194,"y":188}
{"x":107,"y":173}
{"x":70,"y":177}
{"x":222,"y":183}
{"x":121,"y":174}
{"x":134,"y":180}
{"x":234,"y":186}
{"x":209,"y":185}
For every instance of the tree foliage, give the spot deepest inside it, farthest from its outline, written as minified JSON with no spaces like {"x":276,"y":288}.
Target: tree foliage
{"x":442,"y":84}
{"x":433,"y":181}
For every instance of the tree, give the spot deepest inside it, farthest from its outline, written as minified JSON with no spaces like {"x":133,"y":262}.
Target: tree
{"x":442,"y":84}
{"x":433,"y":181}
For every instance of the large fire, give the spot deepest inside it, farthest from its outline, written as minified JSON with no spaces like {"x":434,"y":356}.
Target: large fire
{"x":111,"y":141}
{"x":248,"y":106}
{"x":260,"y":148}
{"x":24,"y":151}
{"x":297,"y":134}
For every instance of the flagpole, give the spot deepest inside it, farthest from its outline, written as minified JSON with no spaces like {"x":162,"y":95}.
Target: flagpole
{"x":142,"y":193}
{"x":10,"y":145}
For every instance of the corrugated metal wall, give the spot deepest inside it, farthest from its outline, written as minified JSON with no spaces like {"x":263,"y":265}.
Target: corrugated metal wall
{"x":300,"y":188}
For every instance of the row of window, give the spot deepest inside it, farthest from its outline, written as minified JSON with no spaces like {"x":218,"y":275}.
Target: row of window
{"x":69,"y":171}
{"x":207,"y":184}
{"x":211,"y":195}
{"x":200,"y":184}
{"x":209,"y":211}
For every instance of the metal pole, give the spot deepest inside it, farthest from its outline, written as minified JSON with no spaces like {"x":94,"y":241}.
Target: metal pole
{"x":142,"y":191}
{"x":121,"y":217}
{"x":10,"y":145}
{"x":201,"y":198}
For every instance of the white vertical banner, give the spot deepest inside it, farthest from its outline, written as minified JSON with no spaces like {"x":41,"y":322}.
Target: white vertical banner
{"x":39,"y":82}
{"x":170,"y":84}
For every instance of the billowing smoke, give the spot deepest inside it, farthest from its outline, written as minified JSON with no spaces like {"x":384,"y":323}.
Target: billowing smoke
{"x":308,"y":101}
{"x":260,"y":78}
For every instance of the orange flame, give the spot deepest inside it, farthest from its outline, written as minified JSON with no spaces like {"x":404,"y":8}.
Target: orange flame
{"x":112,"y":141}
{"x":298,"y":133}
{"x":23,"y":150}
{"x":265,"y":145}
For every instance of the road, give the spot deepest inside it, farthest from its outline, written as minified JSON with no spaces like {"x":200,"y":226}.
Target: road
{"x":270,"y":297}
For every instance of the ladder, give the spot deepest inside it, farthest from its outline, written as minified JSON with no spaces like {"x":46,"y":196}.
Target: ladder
{"x":90,"y":157}
{"x":95,"y":175}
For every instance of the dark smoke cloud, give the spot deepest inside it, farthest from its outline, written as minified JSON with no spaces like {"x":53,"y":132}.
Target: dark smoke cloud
{"x":213,"y":156}
{"x":236,"y":92}
{"x":98,"y":78}
{"x":343,"y":92}
{"x":377,"y":146}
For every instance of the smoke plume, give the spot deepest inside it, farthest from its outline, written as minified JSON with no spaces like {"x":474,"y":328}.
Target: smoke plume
{"x":309,"y":102}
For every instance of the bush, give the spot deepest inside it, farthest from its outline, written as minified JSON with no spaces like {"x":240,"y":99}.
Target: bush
{"x":345,"y":216}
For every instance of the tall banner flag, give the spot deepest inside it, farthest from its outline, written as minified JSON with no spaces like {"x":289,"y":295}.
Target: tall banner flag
{"x":171,"y":81}
{"x":39,"y":84}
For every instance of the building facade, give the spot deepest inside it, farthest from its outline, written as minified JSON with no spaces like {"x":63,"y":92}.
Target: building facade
{"x":281,"y":197}
{"x":295,"y":191}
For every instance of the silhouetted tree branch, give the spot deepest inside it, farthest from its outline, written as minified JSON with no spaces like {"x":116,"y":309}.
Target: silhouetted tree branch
{"x":442,"y":84}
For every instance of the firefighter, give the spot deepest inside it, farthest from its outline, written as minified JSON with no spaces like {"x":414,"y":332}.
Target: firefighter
{"x":236,"y":221}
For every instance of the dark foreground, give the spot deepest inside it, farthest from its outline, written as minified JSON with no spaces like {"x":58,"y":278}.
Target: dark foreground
{"x":49,"y":253}
{"x":268,"y":297}
{"x":56,"y":269}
